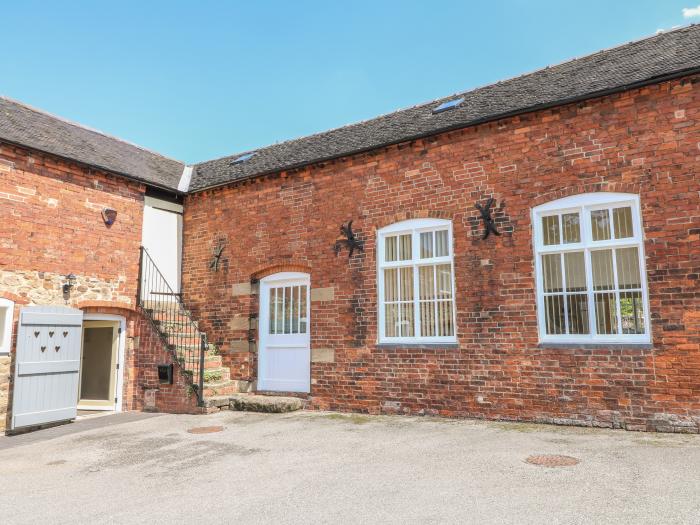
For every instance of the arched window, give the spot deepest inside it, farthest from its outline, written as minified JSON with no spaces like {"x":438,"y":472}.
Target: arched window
{"x":591,"y":277}
{"x":416,"y":282}
{"x":6,"y":313}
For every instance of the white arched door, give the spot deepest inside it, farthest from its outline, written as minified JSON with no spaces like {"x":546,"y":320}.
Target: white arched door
{"x":284,"y":359}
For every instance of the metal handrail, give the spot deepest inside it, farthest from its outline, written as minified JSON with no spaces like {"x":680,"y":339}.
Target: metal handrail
{"x":172,"y":321}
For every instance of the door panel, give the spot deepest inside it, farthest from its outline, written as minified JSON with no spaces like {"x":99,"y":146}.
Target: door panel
{"x":47,"y":365}
{"x":285,"y":358}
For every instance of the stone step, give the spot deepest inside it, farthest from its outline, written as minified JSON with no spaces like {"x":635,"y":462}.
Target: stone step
{"x":270,"y":404}
{"x":216,"y":375}
{"x":220,"y":388}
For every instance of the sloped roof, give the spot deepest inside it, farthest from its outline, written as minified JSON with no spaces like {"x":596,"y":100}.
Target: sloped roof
{"x":26,"y":126}
{"x":641,"y":62}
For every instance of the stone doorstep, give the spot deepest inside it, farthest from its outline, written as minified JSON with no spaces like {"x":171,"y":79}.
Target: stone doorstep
{"x":256,"y":403}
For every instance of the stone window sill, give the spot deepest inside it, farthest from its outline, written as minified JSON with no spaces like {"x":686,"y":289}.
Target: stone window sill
{"x":417,"y":346}
{"x":596,"y":346}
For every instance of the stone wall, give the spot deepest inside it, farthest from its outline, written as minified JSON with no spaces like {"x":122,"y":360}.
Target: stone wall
{"x":643,"y":141}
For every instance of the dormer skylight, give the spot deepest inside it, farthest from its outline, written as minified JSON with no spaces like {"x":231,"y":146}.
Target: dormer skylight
{"x":242,"y":158}
{"x":448,"y":105}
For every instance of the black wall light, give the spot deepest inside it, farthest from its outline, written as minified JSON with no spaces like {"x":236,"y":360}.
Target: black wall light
{"x":69,"y":284}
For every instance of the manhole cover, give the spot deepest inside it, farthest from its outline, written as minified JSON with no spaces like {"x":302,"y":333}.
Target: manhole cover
{"x":552,"y":460}
{"x":204,"y":430}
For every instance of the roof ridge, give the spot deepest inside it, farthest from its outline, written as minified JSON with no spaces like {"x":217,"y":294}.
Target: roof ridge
{"x":87,"y":128}
{"x":455,"y":94}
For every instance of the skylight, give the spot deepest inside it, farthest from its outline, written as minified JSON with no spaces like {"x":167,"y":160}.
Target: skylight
{"x":448,"y":105}
{"x":242,"y":158}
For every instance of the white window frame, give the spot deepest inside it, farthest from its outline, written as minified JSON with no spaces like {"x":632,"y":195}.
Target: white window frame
{"x":7,"y":310}
{"x":414,"y":227}
{"x":584,"y":204}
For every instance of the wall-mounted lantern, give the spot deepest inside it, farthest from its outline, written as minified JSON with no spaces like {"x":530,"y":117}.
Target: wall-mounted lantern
{"x":68,"y":285}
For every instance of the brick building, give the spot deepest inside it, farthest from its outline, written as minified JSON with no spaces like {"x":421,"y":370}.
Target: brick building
{"x":580,"y":306}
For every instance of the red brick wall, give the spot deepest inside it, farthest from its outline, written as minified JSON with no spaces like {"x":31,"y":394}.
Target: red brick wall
{"x":644,"y":141}
{"x":51,"y":225}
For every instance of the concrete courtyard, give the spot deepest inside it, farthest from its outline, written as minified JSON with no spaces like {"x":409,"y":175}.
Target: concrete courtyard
{"x":307,"y":467}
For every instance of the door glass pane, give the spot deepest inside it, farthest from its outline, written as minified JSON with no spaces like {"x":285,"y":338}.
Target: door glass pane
{"x":554,"y":314}
{"x":288,"y":310}
{"x":578,"y":313}
{"x":628,"y":276}
{"x":622,"y":220}
{"x":600,"y":225}
{"x":601,"y":261}
{"x":571,"y":228}
{"x":279,"y":311}
{"x":442,"y":243}
{"x":295,"y":309}
{"x":605,"y":313}
{"x":272,"y":309}
{"x":405,"y":250}
{"x":550,"y":230}
{"x":575,"y":269}
{"x":390,"y":248}
{"x":303,"y":321}
{"x":426,"y":245}
{"x":551,"y":272}
{"x":632,"y":312}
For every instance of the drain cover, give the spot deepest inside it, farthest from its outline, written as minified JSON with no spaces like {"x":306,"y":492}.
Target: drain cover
{"x":552,"y":460}
{"x":204,"y":430}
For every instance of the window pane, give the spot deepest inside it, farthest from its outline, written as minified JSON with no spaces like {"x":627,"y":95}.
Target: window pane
{"x":426,"y":281}
{"x":632,"y":312}
{"x":426,"y":245}
{"x":575,"y":268}
{"x":391,"y":320}
{"x":551,"y":271}
{"x":442,"y":243}
{"x":605,"y":313}
{"x":554,"y":314}
{"x":302,"y":309}
{"x":390,"y":249}
{"x":405,"y":252}
{"x":571,"y":228}
{"x":407,"y":327}
{"x":427,"y":318}
{"x":391,"y":285}
{"x":444,"y":319}
{"x":444,"y":281}
{"x":601,"y":261}
{"x":600,"y":225}
{"x":627,"y":260}
{"x":406,"y":275}
{"x":578,"y":313}
{"x":623,"y":222}
{"x":550,"y":230}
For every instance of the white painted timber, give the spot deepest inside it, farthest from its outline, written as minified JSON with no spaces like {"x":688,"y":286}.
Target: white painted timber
{"x":162,"y":237}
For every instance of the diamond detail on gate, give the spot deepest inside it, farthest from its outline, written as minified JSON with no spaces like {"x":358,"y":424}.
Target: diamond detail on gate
{"x":36,"y":334}
{"x":43,"y":348}
{"x":50,"y":334}
{"x":65,"y":334}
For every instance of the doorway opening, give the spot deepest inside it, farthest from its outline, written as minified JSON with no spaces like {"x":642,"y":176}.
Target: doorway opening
{"x":99,"y":386}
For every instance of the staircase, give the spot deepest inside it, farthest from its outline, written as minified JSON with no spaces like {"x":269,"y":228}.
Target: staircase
{"x":198,"y":361}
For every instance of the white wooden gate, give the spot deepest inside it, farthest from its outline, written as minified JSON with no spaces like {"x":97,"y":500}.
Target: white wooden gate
{"x":47,"y":365}
{"x":284,"y":361}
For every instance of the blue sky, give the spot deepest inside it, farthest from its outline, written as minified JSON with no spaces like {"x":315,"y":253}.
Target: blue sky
{"x":199,"y":80}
